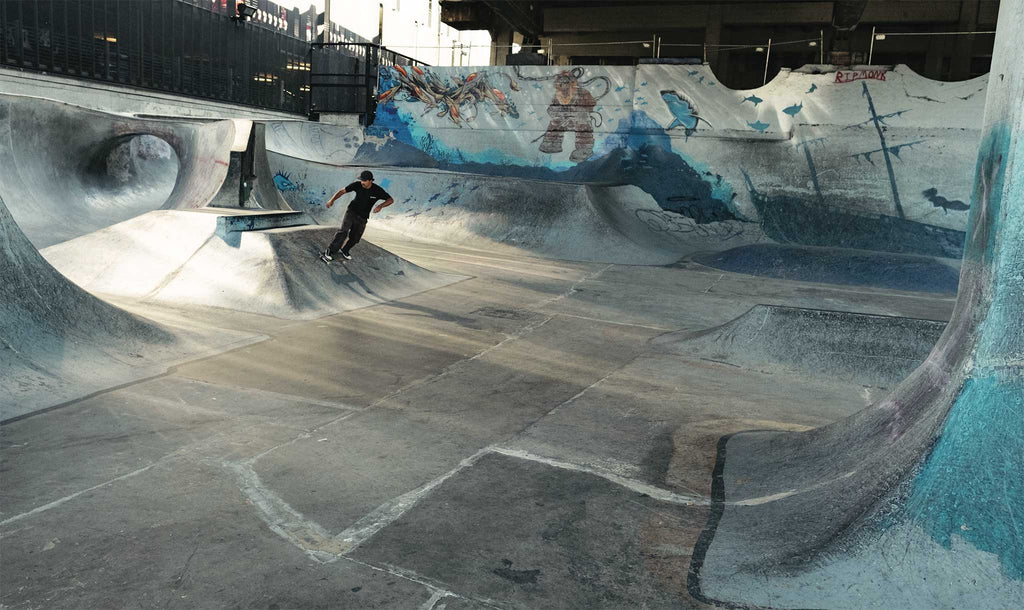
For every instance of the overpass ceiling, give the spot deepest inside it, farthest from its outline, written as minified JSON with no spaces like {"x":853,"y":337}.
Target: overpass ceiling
{"x":554,"y":17}
{"x":543,"y":17}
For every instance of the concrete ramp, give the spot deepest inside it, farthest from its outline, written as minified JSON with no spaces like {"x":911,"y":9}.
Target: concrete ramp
{"x":587,"y":222}
{"x":839,"y":266}
{"x":217,"y":259}
{"x":916,"y":501}
{"x":60,"y":343}
{"x":319,"y":142}
{"x":68,"y":171}
{"x":846,"y":347}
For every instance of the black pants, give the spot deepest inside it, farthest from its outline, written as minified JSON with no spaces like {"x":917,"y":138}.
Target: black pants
{"x":352,"y":228}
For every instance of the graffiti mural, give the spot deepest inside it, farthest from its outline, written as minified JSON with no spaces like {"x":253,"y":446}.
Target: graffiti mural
{"x":320,"y":142}
{"x":459,"y":98}
{"x":848,"y":76}
{"x":791,"y":157}
{"x":283,"y":182}
{"x":572,"y":109}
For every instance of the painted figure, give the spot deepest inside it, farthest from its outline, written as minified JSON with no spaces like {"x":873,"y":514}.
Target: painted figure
{"x":939,"y":201}
{"x":358,"y":213}
{"x":570,"y":111}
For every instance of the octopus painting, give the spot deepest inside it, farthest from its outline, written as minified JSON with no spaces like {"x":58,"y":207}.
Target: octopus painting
{"x":459,"y":100}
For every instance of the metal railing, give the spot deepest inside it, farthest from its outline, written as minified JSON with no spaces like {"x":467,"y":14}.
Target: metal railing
{"x":343,"y":77}
{"x":165,"y":45}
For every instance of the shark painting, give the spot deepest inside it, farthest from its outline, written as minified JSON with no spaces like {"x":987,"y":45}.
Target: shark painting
{"x":753,"y":99}
{"x":794,"y":109}
{"x":759,"y":125}
{"x":683,"y":111}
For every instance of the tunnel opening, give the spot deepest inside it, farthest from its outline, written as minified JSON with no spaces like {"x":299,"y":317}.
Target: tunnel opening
{"x":136,"y":171}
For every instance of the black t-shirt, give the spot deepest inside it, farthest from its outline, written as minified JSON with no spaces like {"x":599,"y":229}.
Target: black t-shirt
{"x":365,"y":198}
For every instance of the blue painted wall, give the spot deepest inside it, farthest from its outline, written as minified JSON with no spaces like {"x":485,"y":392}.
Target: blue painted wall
{"x":862,"y":159}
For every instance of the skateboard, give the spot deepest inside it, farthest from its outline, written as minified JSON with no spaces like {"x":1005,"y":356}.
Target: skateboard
{"x":337,"y":257}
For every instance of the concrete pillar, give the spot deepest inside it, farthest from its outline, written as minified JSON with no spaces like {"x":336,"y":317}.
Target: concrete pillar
{"x":501,"y":44}
{"x":937,"y":49}
{"x":963,"y":47}
{"x":713,"y":36}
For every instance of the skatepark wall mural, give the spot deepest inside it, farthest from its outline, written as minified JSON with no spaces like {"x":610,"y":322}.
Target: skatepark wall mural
{"x":877,"y":158}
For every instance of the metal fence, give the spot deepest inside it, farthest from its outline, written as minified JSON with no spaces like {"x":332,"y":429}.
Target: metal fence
{"x":168,"y":45}
{"x":343,"y":76}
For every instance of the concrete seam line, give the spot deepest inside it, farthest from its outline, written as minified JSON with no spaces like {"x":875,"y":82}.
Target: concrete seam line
{"x":277,"y":395}
{"x":526,"y":329}
{"x":480,"y":264}
{"x":633,"y":485}
{"x":389,"y":512}
{"x":310,"y":536}
{"x":571,"y":399}
{"x":572,"y":289}
{"x":68,"y":498}
{"x":437,"y":596}
{"x":252,"y":460}
{"x":283,"y":520}
{"x":714,"y":283}
{"x":448,"y":369}
{"x":514,"y":336}
{"x":549,"y":264}
{"x":629,"y":324}
{"x":174,"y":274}
{"x":429,"y":583}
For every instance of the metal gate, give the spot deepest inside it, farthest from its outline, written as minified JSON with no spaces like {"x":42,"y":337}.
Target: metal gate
{"x":343,"y":77}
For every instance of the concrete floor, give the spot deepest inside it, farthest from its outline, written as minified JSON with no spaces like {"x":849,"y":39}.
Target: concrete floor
{"x":509,"y":441}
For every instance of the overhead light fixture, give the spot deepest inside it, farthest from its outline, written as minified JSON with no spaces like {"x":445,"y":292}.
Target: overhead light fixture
{"x":812,"y":43}
{"x":647,"y":45}
{"x":540,"y":51}
{"x":879,"y":36}
{"x":245,"y":9}
{"x":759,"y":50}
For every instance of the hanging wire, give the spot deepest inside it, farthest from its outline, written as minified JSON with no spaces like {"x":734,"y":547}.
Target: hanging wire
{"x":607,"y":43}
{"x":723,"y":46}
{"x":522,"y":46}
{"x":933,"y":33}
{"x":729,"y":47}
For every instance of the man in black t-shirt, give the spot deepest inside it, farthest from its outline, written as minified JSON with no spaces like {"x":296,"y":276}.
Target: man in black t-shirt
{"x":352,"y":227}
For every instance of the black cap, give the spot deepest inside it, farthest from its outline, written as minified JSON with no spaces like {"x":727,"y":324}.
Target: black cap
{"x":366,"y":175}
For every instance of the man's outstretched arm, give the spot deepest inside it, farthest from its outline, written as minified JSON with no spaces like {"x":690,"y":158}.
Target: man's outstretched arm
{"x":383,"y":204}
{"x":331,"y":201}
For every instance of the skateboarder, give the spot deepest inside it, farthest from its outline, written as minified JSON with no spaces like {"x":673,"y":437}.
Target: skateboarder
{"x":352,"y":227}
